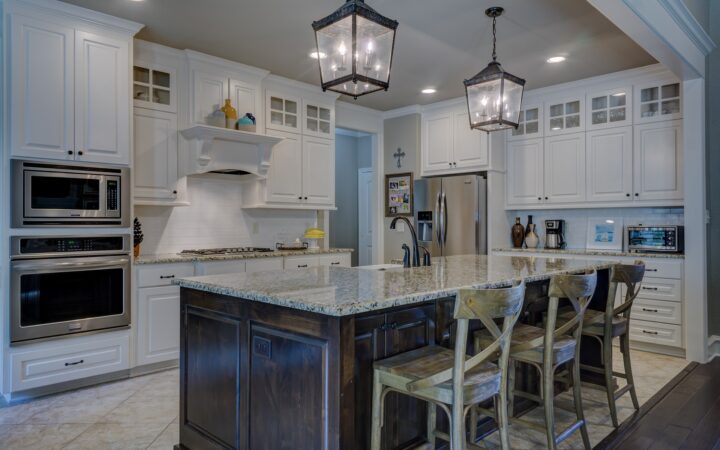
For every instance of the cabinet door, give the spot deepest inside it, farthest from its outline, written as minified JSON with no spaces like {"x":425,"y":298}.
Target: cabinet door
{"x":658,"y":101}
{"x":565,"y":168}
{"x":282,"y":112}
{"x":284,"y":179}
{"x":209,"y":93}
{"x":318,"y":120}
{"x":437,"y":142}
{"x":156,"y":154}
{"x":260,"y":264}
{"x":102,"y":105}
{"x":318,"y":171}
{"x":530,"y":123}
{"x":335,"y":260}
{"x":565,"y":116}
{"x":609,"y":165}
{"x":610,"y":108}
{"x":154,"y":86}
{"x":470,"y":147}
{"x":658,"y":156}
{"x":246,"y":99}
{"x":42,"y":91}
{"x":525,"y":172}
{"x":301,"y":262}
{"x":158,"y":337}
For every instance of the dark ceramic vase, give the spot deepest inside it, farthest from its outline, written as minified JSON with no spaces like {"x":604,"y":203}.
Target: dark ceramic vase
{"x":518,"y":234}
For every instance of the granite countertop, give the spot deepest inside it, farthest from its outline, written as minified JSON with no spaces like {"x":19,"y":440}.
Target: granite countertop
{"x":337,"y":291}
{"x":176,"y":258}
{"x":586,"y":252}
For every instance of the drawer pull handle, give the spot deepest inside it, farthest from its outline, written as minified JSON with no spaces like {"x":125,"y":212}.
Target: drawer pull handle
{"x":163,"y":277}
{"x":335,"y":263}
{"x":649,"y":332}
{"x":300,"y":266}
{"x":650,"y":288}
{"x":650,"y":310}
{"x":651,"y":270}
{"x":74,"y":363}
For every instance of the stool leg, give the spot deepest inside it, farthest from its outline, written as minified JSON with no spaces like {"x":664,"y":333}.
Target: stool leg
{"x":549,"y":398}
{"x":457,"y":425}
{"x":377,"y":408}
{"x":511,"y":387}
{"x":609,"y":388}
{"x":431,"y":423}
{"x":473,"y":423}
{"x":577,"y":396}
{"x":625,"y":344}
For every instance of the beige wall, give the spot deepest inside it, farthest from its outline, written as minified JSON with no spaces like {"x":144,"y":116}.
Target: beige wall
{"x":402,"y":132}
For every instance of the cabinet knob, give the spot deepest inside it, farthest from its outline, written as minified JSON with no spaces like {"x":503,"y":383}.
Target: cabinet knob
{"x":70,"y":152}
{"x":546,"y":198}
{"x":637,"y":195}
{"x":539,"y":198}
{"x":627,"y":195}
{"x":80,"y":152}
{"x":449,"y":164}
{"x":174,"y":192}
{"x":305,"y":198}
{"x":300,"y":198}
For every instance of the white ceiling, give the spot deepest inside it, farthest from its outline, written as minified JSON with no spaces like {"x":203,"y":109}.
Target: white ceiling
{"x":439,"y":42}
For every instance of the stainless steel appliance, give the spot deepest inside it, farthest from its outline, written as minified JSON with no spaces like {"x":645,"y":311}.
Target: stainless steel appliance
{"x":451,"y":214}
{"x":554,"y":237}
{"x":657,"y":238}
{"x":48,"y":194}
{"x":67,"y":285}
{"x":225,"y":251}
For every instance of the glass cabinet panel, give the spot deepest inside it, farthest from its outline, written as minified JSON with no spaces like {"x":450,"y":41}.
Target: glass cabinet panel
{"x":153,"y":86}
{"x":608,"y":107}
{"x":565,"y":115}
{"x":528,"y":122}
{"x":660,"y":102}
{"x":283,"y":112}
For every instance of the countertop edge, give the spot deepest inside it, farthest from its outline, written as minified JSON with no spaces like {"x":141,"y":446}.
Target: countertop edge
{"x":586,"y":252}
{"x":172,"y":258}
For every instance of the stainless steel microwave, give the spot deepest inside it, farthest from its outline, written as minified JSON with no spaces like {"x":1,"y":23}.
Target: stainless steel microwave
{"x":47,"y":194}
{"x":657,"y":238}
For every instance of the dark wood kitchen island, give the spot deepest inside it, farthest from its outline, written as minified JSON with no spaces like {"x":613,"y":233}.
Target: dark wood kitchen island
{"x":283,"y":360}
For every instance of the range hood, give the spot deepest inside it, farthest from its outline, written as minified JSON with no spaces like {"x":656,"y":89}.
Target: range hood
{"x":222,"y":150}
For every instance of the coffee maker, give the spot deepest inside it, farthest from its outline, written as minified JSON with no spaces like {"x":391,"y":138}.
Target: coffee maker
{"x":554,"y":238}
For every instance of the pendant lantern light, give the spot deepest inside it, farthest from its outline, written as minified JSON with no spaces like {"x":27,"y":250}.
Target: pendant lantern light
{"x":355,"y":49}
{"x":494,"y":96}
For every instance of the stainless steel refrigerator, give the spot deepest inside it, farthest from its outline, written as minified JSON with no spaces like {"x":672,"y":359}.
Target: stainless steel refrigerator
{"x":451,"y":214}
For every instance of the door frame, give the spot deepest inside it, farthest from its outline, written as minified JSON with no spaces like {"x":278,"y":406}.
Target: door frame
{"x":372,"y":209}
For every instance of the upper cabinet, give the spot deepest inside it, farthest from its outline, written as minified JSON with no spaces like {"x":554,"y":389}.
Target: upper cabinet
{"x":283,"y":112}
{"x":69,"y":89}
{"x":154,"y":86}
{"x":658,"y":101}
{"x":525,"y":160}
{"x":609,"y":155}
{"x":565,"y":115}
{"x":530,"y":123}
{"x":319,"y":119}
{"x":609,"y":108}
{"x":657,"y":161}
{"x":449,"y":145}
{"x":156,"y":156}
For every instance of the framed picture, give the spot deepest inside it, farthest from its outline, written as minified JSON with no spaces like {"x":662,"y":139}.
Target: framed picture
{"x":605,"y":233}
{"x":399,"y":194}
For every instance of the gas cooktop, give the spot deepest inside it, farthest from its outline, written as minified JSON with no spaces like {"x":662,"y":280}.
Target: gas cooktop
{"x":225,"y":251}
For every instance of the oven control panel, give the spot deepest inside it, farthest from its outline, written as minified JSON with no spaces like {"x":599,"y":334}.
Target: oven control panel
{"x":49,"y":245}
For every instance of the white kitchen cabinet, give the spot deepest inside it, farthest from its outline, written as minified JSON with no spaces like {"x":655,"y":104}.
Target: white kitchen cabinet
{"x":657,"y":161}
{"x":609,"y":108}
{"x":609,"y":158}
{"x":301,"y":262}
{"x":449,"y":145}
{"x":319,"y":119}
{"x":154,"y":86}
{"x":283,"y":112}
{"x":565,"y":115}
{"x":437,"y":142}
{"x":564,"y":177}
{"x":284,"y":179}
{"x":156,"y":155}
{"x":658,"y":101}
{"x":470,"y":147}
{"x":335,"y":260}
{"x":530,"y":123}
{"x":158,"y":325}
{"x":260,"y":264}
{"x":246,"y":99}
{"x":210,"y":90}
{"x":318,"y":171}
{"x":525,"y":161}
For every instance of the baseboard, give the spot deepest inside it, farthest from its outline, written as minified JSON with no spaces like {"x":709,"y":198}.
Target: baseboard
{"x":655,"y":348}
{"x":713,"y":347}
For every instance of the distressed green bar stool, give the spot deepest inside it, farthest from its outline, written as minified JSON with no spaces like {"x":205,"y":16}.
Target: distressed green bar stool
{"x":450,"y":379}
{"x":546,"y":349}
{"x":611,"y":323}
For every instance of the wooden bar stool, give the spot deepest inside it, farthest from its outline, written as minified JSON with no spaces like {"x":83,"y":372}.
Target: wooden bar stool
{"x":547,"y":349}
{"x":451,"y":379}
{"x":611,"y":323}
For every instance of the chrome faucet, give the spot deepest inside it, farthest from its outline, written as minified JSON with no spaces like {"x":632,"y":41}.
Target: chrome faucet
{"x":415,"y":247}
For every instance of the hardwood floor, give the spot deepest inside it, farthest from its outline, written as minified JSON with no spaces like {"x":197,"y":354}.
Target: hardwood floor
{"x":683,"y":415}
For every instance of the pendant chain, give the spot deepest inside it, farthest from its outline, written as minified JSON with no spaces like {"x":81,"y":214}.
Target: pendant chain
{"x":494,"y":55}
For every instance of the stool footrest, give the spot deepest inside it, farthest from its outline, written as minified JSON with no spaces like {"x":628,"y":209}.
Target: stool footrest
{"x":620,"y":392}
{"x":569,"y":431}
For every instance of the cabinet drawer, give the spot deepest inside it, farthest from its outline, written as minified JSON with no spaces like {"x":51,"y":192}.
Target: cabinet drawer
{"x":220,"y":267}
{"x":661,"y":289}
{"x":657,"y":311}
{"x":301,"y":262}
{"x":60,"y":363}
{"x":663,"y":269}
{"x":335,"y":260}
{"x":163,"y":274}
{"x":260,"y":264}
{"x":656,"y":333}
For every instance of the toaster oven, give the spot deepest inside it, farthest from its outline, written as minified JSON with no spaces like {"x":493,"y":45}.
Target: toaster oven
{"x":656,"y":238}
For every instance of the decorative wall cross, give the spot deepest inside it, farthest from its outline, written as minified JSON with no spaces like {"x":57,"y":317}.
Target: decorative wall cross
{"x":399,"y":154}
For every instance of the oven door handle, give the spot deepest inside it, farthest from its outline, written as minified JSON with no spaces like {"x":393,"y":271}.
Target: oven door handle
{"x":75,"y":263}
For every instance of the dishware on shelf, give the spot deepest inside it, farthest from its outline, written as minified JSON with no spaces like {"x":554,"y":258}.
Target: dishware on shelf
{"x":246,"y":123}
{"x":216,"y":118}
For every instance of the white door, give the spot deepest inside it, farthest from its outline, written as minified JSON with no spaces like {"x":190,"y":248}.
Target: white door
{"x":525,"y":172}
{"x":470,"y":148}
{"x":158,"y":324}
{"x":437,"y":142}
{"x":318,"y":171}
{"x":102,"y":99}
{"x":609,"y":165}
{"x":565,"y":168}
{"x":209,"y":93}
{"x":658,"y":156}
{"x":246,"y":99}
{"x":365,"y":216}
{"x":156,"y":154}
{"x":284,"y":179}
{"x":42,"y":94}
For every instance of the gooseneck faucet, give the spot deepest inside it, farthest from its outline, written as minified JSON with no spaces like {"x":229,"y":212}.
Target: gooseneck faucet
{"x":415,"y":248}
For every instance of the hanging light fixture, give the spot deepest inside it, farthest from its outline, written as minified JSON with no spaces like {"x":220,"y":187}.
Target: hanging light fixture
{"x":493,"y":95}
{"x":358,"y":43}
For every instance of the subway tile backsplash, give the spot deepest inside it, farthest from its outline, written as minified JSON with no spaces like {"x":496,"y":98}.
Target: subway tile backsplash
{"x":576,"y":220}
{"x":215,"y":218}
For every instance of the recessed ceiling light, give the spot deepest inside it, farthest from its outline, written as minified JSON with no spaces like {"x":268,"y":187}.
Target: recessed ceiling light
{"x":556,"y":59}
{"x":429,"y":91}
{"x":313,"y":55}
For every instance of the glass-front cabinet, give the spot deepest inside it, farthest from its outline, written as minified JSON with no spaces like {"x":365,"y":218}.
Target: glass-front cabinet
{"x":530,"y":123}
{"x":319,"y":120}
{"x":154,"y":87}
{"x":564,"y":116}
{"x":610,"y":108}
{"x":283,"y":112}
{"x":658,"y":101}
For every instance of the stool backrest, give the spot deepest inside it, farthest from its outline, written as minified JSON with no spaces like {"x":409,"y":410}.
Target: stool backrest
{"x":484,"y":305}
{"x":630,"y":275}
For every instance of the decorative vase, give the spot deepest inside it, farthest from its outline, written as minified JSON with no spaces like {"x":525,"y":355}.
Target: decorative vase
{"x":136,"y":250}
{"x":230,"y":114}
{"x":518,"y":234}
{"x":531,"y":238}
{"x":530,"y":222}
{"x":216,"y":118}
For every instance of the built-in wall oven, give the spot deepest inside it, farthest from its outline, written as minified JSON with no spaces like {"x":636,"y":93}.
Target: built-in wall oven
{"x":48,"y":194}
{"x":67,"y":285}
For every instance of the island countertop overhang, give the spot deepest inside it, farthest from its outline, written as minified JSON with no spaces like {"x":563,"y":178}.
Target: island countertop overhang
{"x":339,"y":292}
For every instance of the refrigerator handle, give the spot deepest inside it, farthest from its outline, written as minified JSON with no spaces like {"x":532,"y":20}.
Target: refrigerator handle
{"x":438,"y":220}
{"x":445,"y":218}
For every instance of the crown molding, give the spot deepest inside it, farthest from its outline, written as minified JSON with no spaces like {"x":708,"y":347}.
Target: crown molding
{"x":198,"y":59}
{"x":687,"y":22}
{"x":404,"y":111}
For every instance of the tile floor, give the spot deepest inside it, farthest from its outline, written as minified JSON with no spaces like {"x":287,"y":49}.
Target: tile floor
{"x":142,"y":413}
